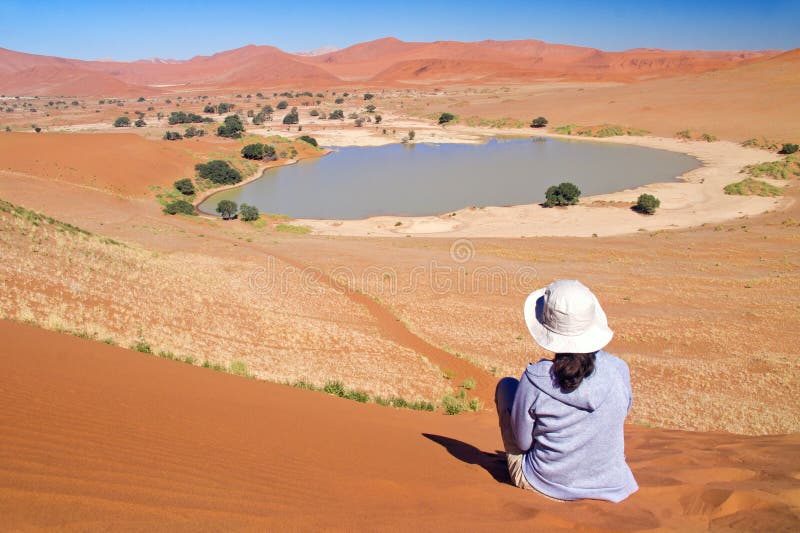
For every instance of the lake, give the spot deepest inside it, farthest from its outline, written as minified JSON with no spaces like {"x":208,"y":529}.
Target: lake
{"x":428,"y":179}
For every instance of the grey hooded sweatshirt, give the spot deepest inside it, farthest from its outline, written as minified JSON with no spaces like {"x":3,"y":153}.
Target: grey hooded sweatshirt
{"x":574,"y":440}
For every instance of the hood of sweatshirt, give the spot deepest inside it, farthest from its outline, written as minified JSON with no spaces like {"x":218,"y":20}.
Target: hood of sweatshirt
{"x":593,"y":390}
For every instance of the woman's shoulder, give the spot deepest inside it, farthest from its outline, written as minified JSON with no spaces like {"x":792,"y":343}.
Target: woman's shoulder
{"x":619,"y":364}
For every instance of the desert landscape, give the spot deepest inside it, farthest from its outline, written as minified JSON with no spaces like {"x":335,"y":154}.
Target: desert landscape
{"x":168,"y":367}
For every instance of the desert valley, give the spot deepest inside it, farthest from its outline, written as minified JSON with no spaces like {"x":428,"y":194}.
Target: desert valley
{"x":176,"y":361}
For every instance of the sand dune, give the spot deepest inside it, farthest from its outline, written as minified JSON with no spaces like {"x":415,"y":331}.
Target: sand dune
{"x":95,"y":438}
{"x":381,"y":61}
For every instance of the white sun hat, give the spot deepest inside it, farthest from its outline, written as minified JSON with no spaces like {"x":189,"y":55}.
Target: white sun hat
{"x":565,"y":317}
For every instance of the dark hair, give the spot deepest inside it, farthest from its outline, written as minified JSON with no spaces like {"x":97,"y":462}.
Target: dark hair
{"x":569,"y":369}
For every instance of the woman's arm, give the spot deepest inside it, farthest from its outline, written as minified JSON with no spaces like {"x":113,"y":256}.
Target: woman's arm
{"x":522,"y":417}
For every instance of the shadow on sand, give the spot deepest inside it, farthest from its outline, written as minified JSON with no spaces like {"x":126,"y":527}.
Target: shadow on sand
{"x":494,"y":463}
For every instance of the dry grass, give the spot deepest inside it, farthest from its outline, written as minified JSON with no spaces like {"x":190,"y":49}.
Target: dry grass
{"x":194,"y":305}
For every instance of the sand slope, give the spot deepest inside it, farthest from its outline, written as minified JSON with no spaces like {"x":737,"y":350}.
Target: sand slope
{"x":93,"y":437}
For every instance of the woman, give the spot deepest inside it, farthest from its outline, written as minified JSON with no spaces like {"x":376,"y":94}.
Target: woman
{"x":562,"y":422}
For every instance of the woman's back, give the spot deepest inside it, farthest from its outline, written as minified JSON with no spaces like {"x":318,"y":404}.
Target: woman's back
{"x":575,"y":439}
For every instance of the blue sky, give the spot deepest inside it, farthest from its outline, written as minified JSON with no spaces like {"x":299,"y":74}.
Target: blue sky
{"x":180,"y":29}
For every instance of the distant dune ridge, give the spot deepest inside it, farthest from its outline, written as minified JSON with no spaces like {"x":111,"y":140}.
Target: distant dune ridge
{"x":379,"y":62}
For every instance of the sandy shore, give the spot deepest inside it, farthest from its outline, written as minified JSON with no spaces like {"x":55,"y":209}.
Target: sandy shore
{"x":697,"y":199}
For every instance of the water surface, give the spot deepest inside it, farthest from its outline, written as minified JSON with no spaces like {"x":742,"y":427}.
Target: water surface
{"x":428,"y":179}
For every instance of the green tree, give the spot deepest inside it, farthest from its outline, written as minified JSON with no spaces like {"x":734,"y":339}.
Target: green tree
{"x":172,"y":136}
{"x":310,"y":140}
{"x":370,"y":108}
{"x":369,"y":96}
{"x":139,"y":123}
{"x":179,"y":207}
{"x":122,"y":122}
{"x":248,"y":213}
{"x":253,"y":151}
{"x":283,"y":104}
{"x":224,"y":108}
{"x":444,"y":118}
{"x":209,"y":109}
{"x":378,"y":119}
{"x":232,"y":127}
{"x":191,"y":131}
{"x":339,"y":101}
{"x":564,"y":194}
{"x":219,"y":172}
{"x":292,"y":118}
{"x":185,"y":186}
{"x":647,"y":204}
{"x":336,"y":113}
{"x":539,"y":122}
{"x":411,"y":135}
{"x":227,"y":209}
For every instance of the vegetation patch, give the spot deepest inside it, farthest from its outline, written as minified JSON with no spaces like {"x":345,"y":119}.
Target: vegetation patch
{"x":761,"y":142}
{"x":602,"y":130}
{"x":503,"y":122}
{"x":787,"y":168}
{"x":752,"y":187}
{"x":289,"y":228}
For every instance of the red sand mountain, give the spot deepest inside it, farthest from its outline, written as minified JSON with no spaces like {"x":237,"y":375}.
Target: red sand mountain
{"x":382,"y":61}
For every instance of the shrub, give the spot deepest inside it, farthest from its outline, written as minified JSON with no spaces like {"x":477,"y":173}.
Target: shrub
{"x":452,"y":405}
{"x":122,"y":122}
{"x":411,"y":135}
{"x":179,"y":117}
{"x":185,"y":186}
{"x":179,"y":207}
{"x":227,"y":209}
{"x":468,"y":384}
{"x":219,"y":172}
{"x":292,"y":117}
{"x":248,"y":213}
{"x":139,"y":123}
{"x":334,"y":387}
{"x":253,"y":151}
{"x":191,"y":131}
{"x":378,"y":119}
{"x":708,"y":137}
{"x":310,"y":140}
{"x":684,"y":134}
{"x":444,"y":118}
{"x":224,"y":108}
{"x":359,"y":122}
{"x":209,"y":109}
{"x":339,"y":100}
{"x":647,"y":204}
{"x":370,"y":108}
{"x":336,"y":113}
{"x":283,"y":104}
{"x":314,"y":113}
{"x":232,"y":127}
{"x":142,"y":347}
{"x":238,"y":368}
{"x":564,"y":194}
{"x":539,"y":122}
{"x":368,"y":96}
{"x":172,"y":136}
{"x":789,"y":148}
